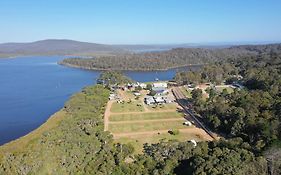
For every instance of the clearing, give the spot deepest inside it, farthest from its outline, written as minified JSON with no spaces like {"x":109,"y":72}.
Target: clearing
{"x":131,"y":121}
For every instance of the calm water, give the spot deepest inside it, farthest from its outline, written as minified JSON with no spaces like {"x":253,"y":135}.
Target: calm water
{"x":33,"y":88}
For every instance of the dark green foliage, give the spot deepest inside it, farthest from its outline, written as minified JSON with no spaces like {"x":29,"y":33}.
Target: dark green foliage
{"x":138,"y":88}
{"x":113,"y":77}
{"x":149,"y":87}
{"x":174,"y":132}
{"x":252,"y":113}
{"x":165,"y":60}
{"x":224,"y":157}
{"x":77,"y":146}
{"x":215,"y":73}
{"x":152,"y":93}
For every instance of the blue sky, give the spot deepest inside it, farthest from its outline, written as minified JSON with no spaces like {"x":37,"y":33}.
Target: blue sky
{"x":141,"y":21}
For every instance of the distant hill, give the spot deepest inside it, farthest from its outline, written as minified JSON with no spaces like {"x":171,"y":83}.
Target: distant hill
{"x":57,"y":47}
{"x":77,"y":48}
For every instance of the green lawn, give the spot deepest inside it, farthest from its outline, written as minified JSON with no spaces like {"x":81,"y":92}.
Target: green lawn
{"x":145,"y":116}
{"x":129,"y":95}
{"x":138,"y":141}
{"x":229,"y":89}
{"x":146,"y":126}
{"x":171,"y":106}
{"x":186,"y":92}
{"x":127,"y":107}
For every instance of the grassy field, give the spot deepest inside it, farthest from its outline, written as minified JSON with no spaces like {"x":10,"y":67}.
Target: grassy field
{"x":229,"y":89}
{"x":146,"y":126}
{"x":145,"y":116}
{"x":186,"y":92}
{"x":160,"y":108}
{"x":133,"y":106}
{"x":137,"y":125}
{"x":128,"y":95}
{"x":138,"y":141}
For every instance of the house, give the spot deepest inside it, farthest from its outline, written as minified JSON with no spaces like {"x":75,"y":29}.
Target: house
{"x":149,"y":100}
{"x":160,"y":85}
{"x":159,"y":99}
{"x":142,"y":85}
{"x":112,"y":96}
{"x":130,"y":86}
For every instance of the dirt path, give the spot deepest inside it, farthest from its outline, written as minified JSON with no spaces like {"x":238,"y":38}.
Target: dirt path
{"x":107,"y":114}
{"x":144,"y":106}
{"x":197,"y":131}
{"x":152,"y":120}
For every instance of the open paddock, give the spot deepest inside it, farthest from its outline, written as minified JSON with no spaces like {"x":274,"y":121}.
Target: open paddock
{"x":145,"y":116}
{"x":146,"y":126}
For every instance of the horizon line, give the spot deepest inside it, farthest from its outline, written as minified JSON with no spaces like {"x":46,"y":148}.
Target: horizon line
{"x":218,"y":43}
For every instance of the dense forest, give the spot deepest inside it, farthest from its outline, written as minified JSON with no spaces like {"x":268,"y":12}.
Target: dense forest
{"x":252,"y":113}
{"x":165,"y":60}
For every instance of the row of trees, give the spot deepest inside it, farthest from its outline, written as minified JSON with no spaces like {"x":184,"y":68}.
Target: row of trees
{"x":215,"y":73}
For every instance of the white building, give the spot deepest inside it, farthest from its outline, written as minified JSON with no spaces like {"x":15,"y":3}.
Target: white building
{"x":194,"y":143}
{"x":112,"y":96}
{"x":149,"y":100}
{"x":187,"y":123}
{"x":137,"y":94}
{"x":143,"y":85}
{"x":159,"y":99}
{"x":160,"y":85}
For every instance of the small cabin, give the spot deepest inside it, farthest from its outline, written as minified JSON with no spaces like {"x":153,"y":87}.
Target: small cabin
{"x":149,"y":100}
{"x":187,"y":123}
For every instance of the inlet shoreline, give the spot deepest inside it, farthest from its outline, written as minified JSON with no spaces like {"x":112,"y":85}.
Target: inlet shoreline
{"x":138,"y":70}
{"x":23,"y":141}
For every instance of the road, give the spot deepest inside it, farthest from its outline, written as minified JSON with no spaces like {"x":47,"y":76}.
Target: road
{"x":181,"y":99}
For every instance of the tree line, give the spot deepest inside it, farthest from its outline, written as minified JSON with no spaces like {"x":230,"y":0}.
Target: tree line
{"x":178,"y":57}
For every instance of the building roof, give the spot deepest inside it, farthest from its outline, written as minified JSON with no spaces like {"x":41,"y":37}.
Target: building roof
{"x":160,"y":84}
{"x":158,"y":89}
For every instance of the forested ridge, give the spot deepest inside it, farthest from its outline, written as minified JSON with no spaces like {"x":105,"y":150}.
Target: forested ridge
{"x":165,"y":60}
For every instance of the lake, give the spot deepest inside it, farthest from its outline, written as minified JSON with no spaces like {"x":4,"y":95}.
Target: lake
{"x":34,"y":88}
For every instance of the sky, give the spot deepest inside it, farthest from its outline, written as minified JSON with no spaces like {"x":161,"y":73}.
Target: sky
{"x":141,"y":21}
